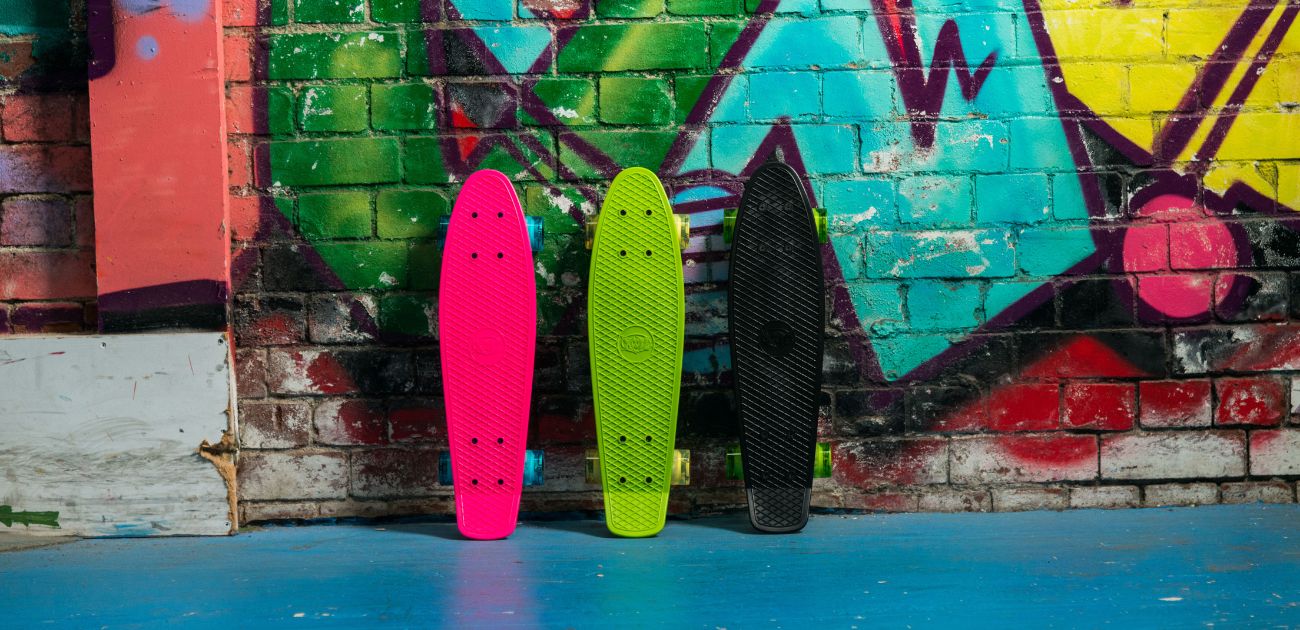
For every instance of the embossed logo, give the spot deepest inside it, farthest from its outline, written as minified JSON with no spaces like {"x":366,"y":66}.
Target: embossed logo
{"x":635,"y":344}
{"x":486,"y":347}
{"x":776,"y":337}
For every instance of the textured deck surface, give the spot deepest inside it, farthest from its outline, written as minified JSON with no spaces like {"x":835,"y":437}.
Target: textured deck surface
{"x":487,"y":318}
{"x":636,"y":321}
{"x":1226,"y":565}
{"x":777,"y":317}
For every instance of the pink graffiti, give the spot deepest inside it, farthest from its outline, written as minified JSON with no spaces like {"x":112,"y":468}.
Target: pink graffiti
{"x":1183,"y":236}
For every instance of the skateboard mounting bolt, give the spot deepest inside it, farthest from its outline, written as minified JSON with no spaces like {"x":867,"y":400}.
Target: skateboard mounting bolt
{"x":647,"y":252}
{"x":500,"y":214}
{"x":649,"y":480}
{"x":474,"y":481}
{"x":622,"y":252}
{"x":501,"y":440}
{"x":500,"y":255}
{"x":473,"y":440}
{"x":649,"y":439}
{"x":622,"y":438}
{"x":474,"y":255}
{"x":622,"y":479}
{"x":501,"y":482}
{"x":473,"y":215}
{"x":649,"y":212}
{"x":622,"y":213}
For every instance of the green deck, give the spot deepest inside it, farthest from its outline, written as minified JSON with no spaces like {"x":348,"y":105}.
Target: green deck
{"x":636,"y":323}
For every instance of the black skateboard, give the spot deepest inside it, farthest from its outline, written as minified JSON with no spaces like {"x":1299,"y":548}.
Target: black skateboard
{"x":777,"y":315}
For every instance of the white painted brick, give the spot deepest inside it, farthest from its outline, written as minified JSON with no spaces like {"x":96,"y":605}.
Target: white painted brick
{"x":1275,"y":452}
{"x":1106,"y":497}
{"x":1174,"y":455}
{"x":287,"y":476}
{"x":1258,"y":492}
{"x":1003,"y":459}
{"x":1295,"y":398}
{"x":1171,"y":494}
{"x":954,"y":500}
{"x":1031,"y":498}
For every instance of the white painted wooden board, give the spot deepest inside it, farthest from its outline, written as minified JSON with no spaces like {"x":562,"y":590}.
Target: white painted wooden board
{"x":105,"y":430}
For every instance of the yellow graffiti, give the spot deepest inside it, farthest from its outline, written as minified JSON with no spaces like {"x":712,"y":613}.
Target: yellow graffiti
{"x":1133,"y":65}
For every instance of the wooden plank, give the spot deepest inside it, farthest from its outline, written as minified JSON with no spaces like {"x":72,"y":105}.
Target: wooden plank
{"x":158,"y":149}
{"x":100,"y":434}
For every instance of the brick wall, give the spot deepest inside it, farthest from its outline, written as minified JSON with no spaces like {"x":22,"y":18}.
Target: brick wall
{"x":1064,"y":268}
{"x":47,"y":278}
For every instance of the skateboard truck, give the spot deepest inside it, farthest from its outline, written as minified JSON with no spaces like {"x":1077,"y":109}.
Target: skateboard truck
{"x":821,"y":462}
{"x":533,"y":470}
{"x":681,"y":222}
{"x":729,"y":224}
{"x":681,"y":475}
{"x":535,"y":225}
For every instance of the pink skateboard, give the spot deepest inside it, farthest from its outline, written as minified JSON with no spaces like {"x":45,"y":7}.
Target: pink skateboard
{"x":487,"y":318}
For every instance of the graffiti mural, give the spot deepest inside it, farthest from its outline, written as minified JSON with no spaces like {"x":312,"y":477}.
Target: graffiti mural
{"x":1041,"y":239}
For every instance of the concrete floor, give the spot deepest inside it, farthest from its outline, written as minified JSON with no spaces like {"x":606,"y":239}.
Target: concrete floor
{"x":1237,"y":565}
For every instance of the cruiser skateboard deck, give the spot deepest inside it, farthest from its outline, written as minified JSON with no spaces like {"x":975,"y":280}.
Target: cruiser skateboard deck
{"x":487,"y":321}
{"x":776,"y":316}
{"x":635,"y":327}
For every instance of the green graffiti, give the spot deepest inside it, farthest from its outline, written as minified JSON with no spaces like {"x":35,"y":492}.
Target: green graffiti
{"x":8,"y":517}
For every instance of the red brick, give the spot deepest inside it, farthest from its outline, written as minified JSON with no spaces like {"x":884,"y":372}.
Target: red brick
{"x":26,"y":168}
{"x":1275,"y":452}
{"x":394,"y":473}
{"x":239,"y":110}
{"x":416,"y":420}
{"x":239,"y":58}
{"x":245,"y":217}
{"x":250,"y":373}
{"x":241,"y":164}
{"x":274,"y":424}
{"x":351,"y":422}
{"x":39,"y":118}
{"x":35,"y":222}
{"x":49,"y":317}
{"x":1025,"y":407}
{"x":239,"y":13}
{"x":83,"y":213}
{"x":46,"y":275}
{"x":283,"y":476}
{"x":891,"y":462}
{"x":1024,"y":458}
{"x":1102,"y":406}
{"x":1174,"y":403}
{"x":1254,"y":401}
{"x":4,"y":320}
{"x":81,"y":118}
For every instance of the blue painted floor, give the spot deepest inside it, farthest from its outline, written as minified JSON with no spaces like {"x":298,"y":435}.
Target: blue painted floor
{"x":1221,"y":565}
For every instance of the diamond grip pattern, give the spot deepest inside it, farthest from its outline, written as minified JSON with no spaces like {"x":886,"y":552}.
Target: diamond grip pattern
{"x":487,"y":310}
{"x":635,"y":324}
{"x":777,"y":317}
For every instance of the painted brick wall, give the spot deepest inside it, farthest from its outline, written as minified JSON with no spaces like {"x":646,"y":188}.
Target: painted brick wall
{"x":1066,"y":254}
{"x":47,"y":278}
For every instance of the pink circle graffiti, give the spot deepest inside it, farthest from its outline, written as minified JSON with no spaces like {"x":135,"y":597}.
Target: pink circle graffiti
{"x":1187,"y":236}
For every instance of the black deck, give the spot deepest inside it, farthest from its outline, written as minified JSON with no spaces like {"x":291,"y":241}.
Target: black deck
{"x":777,"y":316}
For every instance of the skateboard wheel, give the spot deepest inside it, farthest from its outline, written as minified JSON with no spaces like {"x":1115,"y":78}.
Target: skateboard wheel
{"x":536,"y":233}
{"x":533,"y":467}
{"x":819,"y":217}
{"x":681,"y":467}
{"x":593,"y":466}
{"x":683,"y":224}
{"x":590,"y":229}
{"x":444,"y":468}
{"x":822,"y":460}
{"x":728,"y":225}
{"x":734,"y":470}
{"x":444,"y":225}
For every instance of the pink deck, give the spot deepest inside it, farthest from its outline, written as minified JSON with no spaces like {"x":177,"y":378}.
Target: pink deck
{"x":488,"y":328}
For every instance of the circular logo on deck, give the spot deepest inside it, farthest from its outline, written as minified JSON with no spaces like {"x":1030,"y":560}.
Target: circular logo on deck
{"x":635,"y":344}
{"x":776,"y":337}
{"x":486,"y":347}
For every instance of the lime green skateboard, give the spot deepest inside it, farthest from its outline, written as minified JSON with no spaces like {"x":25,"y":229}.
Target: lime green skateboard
{"x":635,"y":327}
